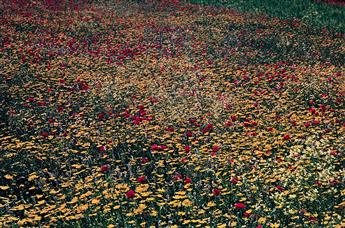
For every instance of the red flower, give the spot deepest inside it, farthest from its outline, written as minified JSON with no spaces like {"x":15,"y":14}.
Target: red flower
{"x":44,"y":134}
{"x":207,"y":128}
{"x":246,"y":214}
{"x":234,"y":180}
{"x":177,"y":177}
{"x":144,"y":160}
{"x":189,"y":134}
{"x":233,"y":118}
{"x":187,"y":148}
{"x":312,"y":110}
{"x":183,"y":160}
{"x":102,"y":148}
{"x":30,"y":99}
{"x":312,"y":218}
{"x":100,"y":116}
{"x":228,"y":123}
{"x":270,"y":129}
{"x":155,"y":147}
{"x":280,"y":188}
{"x":216,"y":192}
{"x":137,"y":120}
{"x":286,"y":137}
{"x":334,"y":153}
{"x":316,"y":122}
{"x":130,"y":194}
{"x":216,"y":148}
{"x":187,"y":180}
{"x":170,"y":129}
{"x":240,"y":205}
{"x":141,"y":179}
{"x":104,"y":168}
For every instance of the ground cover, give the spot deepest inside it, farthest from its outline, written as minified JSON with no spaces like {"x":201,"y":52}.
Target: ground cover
{"x":167,"y":114}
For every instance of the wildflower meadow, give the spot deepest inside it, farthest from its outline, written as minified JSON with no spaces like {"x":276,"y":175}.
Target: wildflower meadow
{"x":170,"y":114}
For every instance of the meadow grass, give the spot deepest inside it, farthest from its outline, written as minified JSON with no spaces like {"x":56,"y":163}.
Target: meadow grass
{"x":320,"y":15}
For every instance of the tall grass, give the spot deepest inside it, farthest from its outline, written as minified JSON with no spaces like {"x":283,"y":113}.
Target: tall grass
{"x":320,"y":15}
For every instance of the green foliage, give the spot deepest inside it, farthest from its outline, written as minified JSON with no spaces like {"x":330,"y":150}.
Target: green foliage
{"x":320,"y":15}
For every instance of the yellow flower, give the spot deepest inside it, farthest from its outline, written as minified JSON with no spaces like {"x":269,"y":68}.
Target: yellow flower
{"x":185,"y":222}
{"x":262,"y":220}
{"x":154,"y":213}
{"x":8,"y":177}
{"x":4,"y":188}
{"x":82,"y":208}
{"x":274,"y":225}
{"x":211,"y":204}
{"x":76,"y":166}
{"x":32,"y":177}
{"x":140,"y":209}
{"x":187,"y":203}
{"x":95,"y":201}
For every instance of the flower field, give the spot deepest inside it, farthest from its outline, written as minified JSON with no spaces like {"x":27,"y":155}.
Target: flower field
{"x":168,"y":114}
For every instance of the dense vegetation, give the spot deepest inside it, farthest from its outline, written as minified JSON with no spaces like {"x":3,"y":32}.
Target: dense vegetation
{"x":319,"y":14}
{"x":166,"y":114}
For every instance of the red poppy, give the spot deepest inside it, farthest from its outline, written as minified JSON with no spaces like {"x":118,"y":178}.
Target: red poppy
{"x":187,"y":180}
{"x":104,"y":168}
{"x":100,"y":116}
{"x":334,"y":153}
{"x":137,"y":120}
{"x":216,"y":192}
{"x":307,"y":124}
{"x":312,"y":110}
{"x":189,"y":134}
{"x":280,"y":188}
{"x":187,"y":148}
{"x":30,"y":99}
{"x":144,"y":160}
{"x":233,"y":118}
{"x":141,"y":179}
{"x":286,"y":137}
{"x":240,"y":205}
{"x":316,"y":122}
{"x":170,"y":129}
{"x":234,"y":180}
{"x":102,"y":148}
{"x":246,"y":214}
{"x":183,"y":160}
{"x":155,"y":147}
{"x":228,"y":123}
{"x":207,"y":128}
{"x":44,"y":134}
{"x":130,"y":194}
{"x":312,"y":218}
{"x":216,"y":148}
